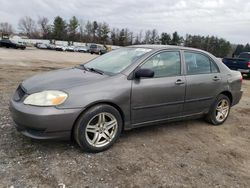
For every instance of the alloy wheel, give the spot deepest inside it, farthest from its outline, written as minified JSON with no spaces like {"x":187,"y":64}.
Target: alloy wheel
{"x":101,"y":129}
{"x":222,"y":110}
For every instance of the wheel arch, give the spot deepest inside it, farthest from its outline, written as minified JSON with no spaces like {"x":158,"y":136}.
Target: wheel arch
{"x":117,"y":107}
{"x":229,"y":95}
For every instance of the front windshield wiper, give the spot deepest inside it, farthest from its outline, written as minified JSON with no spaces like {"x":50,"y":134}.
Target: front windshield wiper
{"x":96,"y":70}
{"x":92,"y":69}
{"x":83,"y":67}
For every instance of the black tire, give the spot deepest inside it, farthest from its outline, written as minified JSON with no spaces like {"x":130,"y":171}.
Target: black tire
{"x":211,"y":116}
{"x":86,"y":117}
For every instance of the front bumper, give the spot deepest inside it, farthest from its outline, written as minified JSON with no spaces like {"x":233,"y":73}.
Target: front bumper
{"x":43,"y":122}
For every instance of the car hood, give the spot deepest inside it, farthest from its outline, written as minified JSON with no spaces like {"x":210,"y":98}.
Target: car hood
{"x":60,"y":80}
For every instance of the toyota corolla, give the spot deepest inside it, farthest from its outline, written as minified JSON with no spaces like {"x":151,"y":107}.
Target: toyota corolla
{"x":127,"y":88}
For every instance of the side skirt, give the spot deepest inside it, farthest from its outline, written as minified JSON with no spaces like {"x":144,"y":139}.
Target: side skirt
{"x":160,"y":121}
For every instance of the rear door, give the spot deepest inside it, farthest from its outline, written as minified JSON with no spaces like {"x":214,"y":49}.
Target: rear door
{"x":162,"y":96}
{"x":203,"y":82}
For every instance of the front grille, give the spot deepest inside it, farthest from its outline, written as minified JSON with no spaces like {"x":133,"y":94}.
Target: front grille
{"x":19,"y":94}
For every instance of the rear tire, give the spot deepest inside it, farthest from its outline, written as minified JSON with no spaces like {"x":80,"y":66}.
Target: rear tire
{"x":98,"y":128}
{"x":219,"y":111}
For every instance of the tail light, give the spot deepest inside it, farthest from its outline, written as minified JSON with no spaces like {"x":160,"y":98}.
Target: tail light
{"x":248,"y":65}
{"x":241,"y":78}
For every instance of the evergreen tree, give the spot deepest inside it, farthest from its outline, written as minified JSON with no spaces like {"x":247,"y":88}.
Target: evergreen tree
{"x":103,"y":32}
{"x":72,"y":28}
{"x":94,"y":30}
{"x":176,"y":39}
{"x":165,"y":38}
{"x":59,"y":29}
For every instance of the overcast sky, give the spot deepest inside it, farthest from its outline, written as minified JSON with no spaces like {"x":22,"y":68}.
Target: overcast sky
{"x":229,"y":19}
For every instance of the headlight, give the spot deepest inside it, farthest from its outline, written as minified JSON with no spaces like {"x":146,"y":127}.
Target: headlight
{"x":46,"y":98}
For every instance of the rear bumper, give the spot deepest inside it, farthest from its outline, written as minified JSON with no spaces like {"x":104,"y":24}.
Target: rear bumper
{"x":43,"y":122}
{"x":244,"y":71}
{"x":95,"y":51}
{"x":236,"y":97}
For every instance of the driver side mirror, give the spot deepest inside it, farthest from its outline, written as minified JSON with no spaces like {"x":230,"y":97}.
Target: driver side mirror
{"x":146,"y":73}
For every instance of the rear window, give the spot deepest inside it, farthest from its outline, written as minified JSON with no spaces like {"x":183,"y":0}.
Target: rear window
{"x":244,"y":56}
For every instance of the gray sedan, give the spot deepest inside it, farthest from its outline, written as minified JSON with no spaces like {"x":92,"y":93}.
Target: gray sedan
{"x":124,"y":89}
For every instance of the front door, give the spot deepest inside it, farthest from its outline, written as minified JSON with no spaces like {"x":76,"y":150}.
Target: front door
{"x":160,"y":97}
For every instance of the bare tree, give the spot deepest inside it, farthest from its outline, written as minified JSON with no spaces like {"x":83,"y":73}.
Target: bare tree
{"x":44,"y":27}
{"x":28,"y":26}
{"x":148,"y":35}
{"x":140,"y":36}
{"x":6,"y":28}
{"x":81,"y":29}
{"x":88,"y":32}
{"x":114,"y":36}
{"x":154,"y":37}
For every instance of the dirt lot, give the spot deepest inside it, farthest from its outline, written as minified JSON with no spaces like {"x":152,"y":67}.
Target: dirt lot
{"x":181,"y":154}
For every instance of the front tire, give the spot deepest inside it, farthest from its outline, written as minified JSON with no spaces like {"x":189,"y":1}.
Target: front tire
{"x":98,"y":128}
{"x":219,"y":111}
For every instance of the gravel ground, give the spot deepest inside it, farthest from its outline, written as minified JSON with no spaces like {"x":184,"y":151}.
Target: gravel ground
{"x":182,"y":154}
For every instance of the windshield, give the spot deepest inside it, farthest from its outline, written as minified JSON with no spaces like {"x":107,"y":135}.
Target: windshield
{"x":13,"y":41}
{"x":93,"y":46}
{"x":116,"y":61}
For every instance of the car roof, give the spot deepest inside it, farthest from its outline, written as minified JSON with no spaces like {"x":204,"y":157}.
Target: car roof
{"x":160,"y":47}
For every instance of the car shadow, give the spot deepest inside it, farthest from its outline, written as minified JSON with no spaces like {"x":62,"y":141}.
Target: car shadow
{"x":163,"y":127}
{"x":127,"y":135}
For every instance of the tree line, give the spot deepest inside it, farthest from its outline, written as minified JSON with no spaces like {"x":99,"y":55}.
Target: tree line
{"x":241,"y":48}
{"x":76,"y":30}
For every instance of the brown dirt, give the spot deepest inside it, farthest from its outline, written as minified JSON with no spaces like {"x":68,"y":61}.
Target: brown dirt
{"x":181,"y":154}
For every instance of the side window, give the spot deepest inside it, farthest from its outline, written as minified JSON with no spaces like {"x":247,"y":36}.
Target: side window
{"x":164,"y":64}
{"x":214,"y":68}
{"x":197,"y":63}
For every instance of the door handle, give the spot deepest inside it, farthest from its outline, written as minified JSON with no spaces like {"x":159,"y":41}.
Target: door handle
{"x":216,"y":78}
{"x":179,"y":82}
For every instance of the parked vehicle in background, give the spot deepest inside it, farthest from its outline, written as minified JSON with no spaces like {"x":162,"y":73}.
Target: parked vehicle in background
{"x":126,"y":88}
{"x":42,"y":46}
{"x":60,"y":48}
{"x":97,"y":49}
{"x":51,"y":46}
{"x":241,"y":63}
{"x":83,"y":49}
{"x":70,"y":48}
{"x":45,"y":46}
{"x":11,"y":44}
{"x":37,"y":44}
